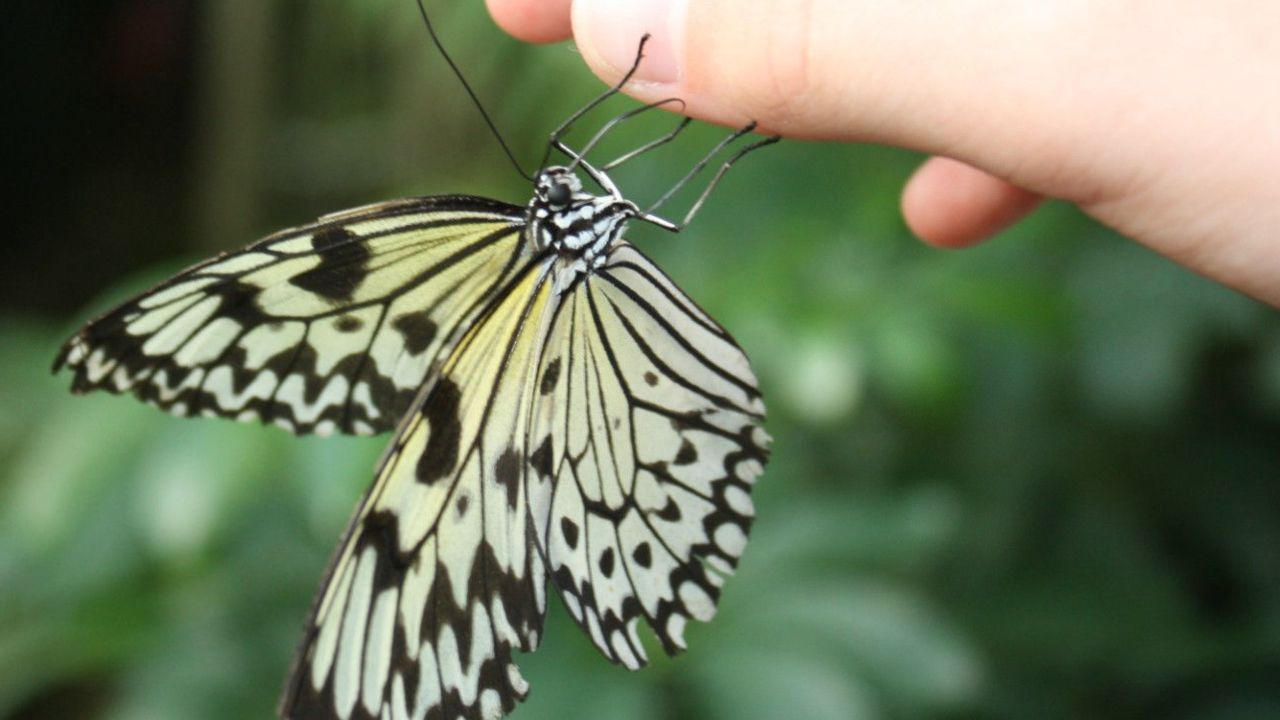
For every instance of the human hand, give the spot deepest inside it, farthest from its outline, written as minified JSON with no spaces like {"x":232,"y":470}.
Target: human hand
{"x":1160,"y":119}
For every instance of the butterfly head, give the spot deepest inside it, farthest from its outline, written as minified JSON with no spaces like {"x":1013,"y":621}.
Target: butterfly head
{"x":571,"y":221}
{"x":557,"y":188}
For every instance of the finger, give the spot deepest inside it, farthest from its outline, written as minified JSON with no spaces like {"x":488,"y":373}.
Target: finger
{"x":927,"y":76}
{"x":805,"y":68}
{"x":536,"y":21}
{"x":953,"y":205}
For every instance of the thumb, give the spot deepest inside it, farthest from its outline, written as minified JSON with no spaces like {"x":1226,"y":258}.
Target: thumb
{"x":816,"y":69}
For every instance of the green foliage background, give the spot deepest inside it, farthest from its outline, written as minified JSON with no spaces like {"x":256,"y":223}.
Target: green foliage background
{"x":1037,"y":479}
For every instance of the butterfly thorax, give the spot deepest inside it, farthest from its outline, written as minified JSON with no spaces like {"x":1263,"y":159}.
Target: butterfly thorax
{"x":572,"y":222}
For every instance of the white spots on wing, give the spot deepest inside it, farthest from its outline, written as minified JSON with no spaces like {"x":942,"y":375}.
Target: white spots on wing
{"x":267,"y":341}
{"x":575,"y":607}
{"x":461,"y":537}
{"x":711,"y":451}
{"x":239,"y":263}
{"x":490,"y":704}
{"x":429,"y":691}
{"x":649,"y":494}
{"x":657,"y":440}
{"x":650,"y":577}
{"x":347,"y":671}
{"x":675,"y":629}
{"x":697,"y":601}
{"x":329,"y":617}
{"x":176,"y":291}
{"x":77,"y":351}
{"x":221,"y":384}
{"x":362,"y":397}
{"x":622,"y":650}
{"x":400,"y":490}
{"x":611,"y":589}
{"x":148,"y":322}
{"x":409,"y":369}
{"x":292,"y":392}
{"x":610,"y":424}
{"x":121,"y":378}
{"x":517,"y":681}
{"x":170,"y":338}
{"x":593,"y":629}
{"x":588,"y":474}
{"x":282,"y":298}
{"x":748,"y":470}
{"x":682,"y":534}
{"x":209,"y":343}
{"x":398,"y":707}
{"x":332,"y":344}
{"x":325,"y":428}
{"x":377,"y":651}
{"x":761,"y":438}
{"x":466,"y":680}
{"x":721,"y":567}
{"x":297,"y":245}
{"x":98,"y":365}
{"x":417,"y":583}
{"x":501,"y":623}
{"x":739,"y":501}
{"x":730,"y":539}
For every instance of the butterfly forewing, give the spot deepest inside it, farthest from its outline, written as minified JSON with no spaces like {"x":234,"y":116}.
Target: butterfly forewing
{"x":439,"y":577}
{"x":330,"y":326}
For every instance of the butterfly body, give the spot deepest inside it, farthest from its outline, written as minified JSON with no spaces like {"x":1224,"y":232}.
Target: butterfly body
{"x":571,"y":222}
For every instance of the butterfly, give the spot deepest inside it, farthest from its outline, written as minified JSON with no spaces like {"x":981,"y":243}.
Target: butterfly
{"x":563,"y":415}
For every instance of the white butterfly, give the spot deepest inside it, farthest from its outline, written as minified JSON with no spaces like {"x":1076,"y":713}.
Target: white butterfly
{"x":562,"y":410}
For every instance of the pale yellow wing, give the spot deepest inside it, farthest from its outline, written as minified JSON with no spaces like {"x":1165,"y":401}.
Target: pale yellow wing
{"x":330,"y":326}
{"x":439,"y":578}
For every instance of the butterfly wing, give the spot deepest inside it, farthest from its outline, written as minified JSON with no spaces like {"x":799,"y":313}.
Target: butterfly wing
{"x":646,"y":442}
{"x":333,"y":325}
{"x":438,"y":578}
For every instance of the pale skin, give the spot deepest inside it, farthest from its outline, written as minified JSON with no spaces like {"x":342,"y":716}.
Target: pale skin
{"x":1159,"y":118}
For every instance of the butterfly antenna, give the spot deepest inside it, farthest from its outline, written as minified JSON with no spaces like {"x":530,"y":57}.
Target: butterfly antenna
{"x":560,"y":131}
{"x":467,"y":86}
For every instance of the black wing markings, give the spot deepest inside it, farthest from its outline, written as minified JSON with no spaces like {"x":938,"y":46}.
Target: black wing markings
{"x":215,"y":304}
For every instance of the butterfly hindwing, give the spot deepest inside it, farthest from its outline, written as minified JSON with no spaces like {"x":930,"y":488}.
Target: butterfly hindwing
{"x":330,"y":326}
{"x":646,"y":443}
{"x":439,"y":578}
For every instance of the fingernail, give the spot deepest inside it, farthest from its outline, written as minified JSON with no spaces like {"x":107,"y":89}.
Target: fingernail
{"x":613,"y":29}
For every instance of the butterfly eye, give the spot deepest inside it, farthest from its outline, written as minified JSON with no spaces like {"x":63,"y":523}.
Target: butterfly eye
{"x":559,"y":195}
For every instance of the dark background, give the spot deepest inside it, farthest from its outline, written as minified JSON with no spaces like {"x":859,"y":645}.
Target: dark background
{"x":1037,"y":479}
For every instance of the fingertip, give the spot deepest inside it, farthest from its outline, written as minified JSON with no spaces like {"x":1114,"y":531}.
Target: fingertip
{"x":950,"y":204}
{"x":535,"y":21}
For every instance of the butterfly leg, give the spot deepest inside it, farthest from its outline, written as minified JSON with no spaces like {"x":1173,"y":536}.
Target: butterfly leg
{"x":609,"y":126}
{"x":719,"y":175}
{"x":698,"y":167}
{"x":684,"y":123}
